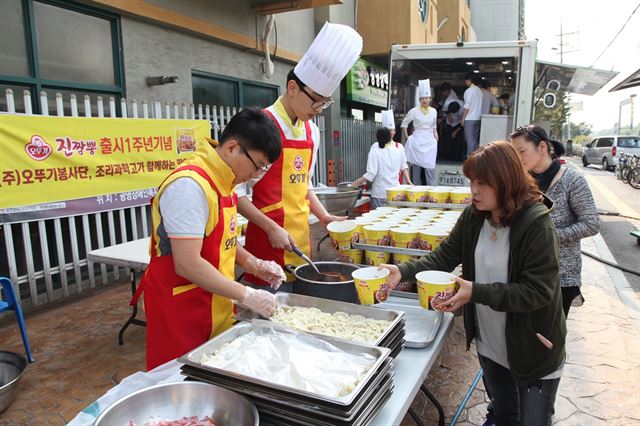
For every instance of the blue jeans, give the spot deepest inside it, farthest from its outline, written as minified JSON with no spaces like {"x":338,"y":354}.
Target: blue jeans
{"x":514,"y":404}
{"x":472,"y":135}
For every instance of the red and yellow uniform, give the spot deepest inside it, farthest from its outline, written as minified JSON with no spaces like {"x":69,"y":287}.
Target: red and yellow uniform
{"x":281,"y":194}
{"x":180,"y":314}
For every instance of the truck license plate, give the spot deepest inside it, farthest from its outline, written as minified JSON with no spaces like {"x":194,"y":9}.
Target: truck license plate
{"x":450,"y":180}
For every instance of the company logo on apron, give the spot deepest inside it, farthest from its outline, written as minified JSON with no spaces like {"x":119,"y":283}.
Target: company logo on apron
{"x":38,"y":149}
{"x":232,"y":224}
{"x":298,"y":163}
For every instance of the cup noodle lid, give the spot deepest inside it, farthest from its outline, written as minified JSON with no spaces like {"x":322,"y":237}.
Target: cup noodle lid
{"x":377,"y":227}
{"x":435,"y":277}
{"x":434,"y":231}
{"x":461,"y":190}
{"x":369,"y":273}
{"x":341,"y":226}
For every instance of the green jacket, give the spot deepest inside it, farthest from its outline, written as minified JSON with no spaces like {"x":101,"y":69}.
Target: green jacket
{"x":532,"y":298}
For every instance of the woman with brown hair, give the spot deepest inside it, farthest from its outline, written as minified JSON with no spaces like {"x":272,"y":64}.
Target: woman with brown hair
{"x":510,"y":285}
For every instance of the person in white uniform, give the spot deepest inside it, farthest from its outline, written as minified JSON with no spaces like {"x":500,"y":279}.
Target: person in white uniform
{"x":385,"y":163}
{"x":422,"y":145}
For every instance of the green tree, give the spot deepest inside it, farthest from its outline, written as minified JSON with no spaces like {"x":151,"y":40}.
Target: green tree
{"x":581,"y":129}
{"x":556,"y":116}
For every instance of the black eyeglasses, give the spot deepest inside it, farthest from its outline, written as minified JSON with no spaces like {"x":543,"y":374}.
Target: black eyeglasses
{"x":261,"y":169}
{"x":324,"y":103}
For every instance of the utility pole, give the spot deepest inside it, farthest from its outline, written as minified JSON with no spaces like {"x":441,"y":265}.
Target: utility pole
{"x":563,"y":43}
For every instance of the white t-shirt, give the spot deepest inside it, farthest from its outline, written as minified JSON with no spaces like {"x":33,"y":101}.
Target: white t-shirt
{"x":473,"y":102}
{"x":455,"y":118}
{"x":384,"y":166}
{"x":184,"y":209}
{"x":242,"y":189}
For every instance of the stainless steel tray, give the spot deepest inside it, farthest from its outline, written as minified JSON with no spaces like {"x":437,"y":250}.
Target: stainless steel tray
{"x":374,"y":403}
{"x":331,"y":306}
{"x":449,"y":206}
{"x":421,"y":325}
{"x":193,"y":358}
{"x":280,"y":400}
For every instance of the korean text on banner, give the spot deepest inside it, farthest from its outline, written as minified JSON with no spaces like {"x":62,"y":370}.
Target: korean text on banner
{"x":48,"y":159}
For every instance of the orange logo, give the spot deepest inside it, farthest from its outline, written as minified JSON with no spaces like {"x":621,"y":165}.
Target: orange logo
{"x":298,"y":163}
{"x":232,"y":224}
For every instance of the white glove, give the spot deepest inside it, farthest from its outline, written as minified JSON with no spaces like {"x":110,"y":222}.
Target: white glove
{"x":267,"y":270}
{"x":260,"y":301}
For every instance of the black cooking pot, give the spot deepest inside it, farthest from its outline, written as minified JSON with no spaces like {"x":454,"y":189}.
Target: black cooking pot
{"x":310,"y":283}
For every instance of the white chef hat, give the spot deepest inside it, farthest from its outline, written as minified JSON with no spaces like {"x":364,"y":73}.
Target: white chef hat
{"x":424,"y":88}
{"x":331,"y":55}
{"x":387,"y":119}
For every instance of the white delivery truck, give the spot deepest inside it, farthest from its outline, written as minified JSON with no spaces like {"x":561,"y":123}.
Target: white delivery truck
{"x":511,"y":68}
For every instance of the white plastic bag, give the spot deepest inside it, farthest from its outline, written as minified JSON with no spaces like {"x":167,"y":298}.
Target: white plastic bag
{"x":165,"y":373}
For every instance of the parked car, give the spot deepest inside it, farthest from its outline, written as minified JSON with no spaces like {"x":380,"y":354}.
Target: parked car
{"x":604,"y":150}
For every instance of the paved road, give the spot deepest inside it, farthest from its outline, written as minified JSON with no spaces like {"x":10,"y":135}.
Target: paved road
{"x":612,"y":195}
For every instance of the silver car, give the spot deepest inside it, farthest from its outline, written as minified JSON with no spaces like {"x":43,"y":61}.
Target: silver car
{"x":605,"y":150}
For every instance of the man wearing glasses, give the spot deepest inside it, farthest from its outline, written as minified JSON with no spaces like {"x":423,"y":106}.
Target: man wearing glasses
{"x":282,"y":199}
{"x":189,"y":285}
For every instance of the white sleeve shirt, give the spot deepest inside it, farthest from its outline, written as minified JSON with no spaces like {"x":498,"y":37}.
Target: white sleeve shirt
{"x":384,"y":166}
{"x":473,"y":103}
{"x":243,"y":188}
{"x":184,"y":209}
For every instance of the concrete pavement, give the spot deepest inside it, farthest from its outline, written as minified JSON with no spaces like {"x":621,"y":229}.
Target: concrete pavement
{"x":78,"y":358}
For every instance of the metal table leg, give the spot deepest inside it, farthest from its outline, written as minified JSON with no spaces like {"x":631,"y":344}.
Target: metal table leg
{"x":132,"y":319}
{"x":435,"y":402}
{"x":320,"y":242}
{"x":415,"y":417}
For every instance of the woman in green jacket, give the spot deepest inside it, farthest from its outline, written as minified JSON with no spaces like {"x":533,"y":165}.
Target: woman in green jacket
{"x":510,"y":286}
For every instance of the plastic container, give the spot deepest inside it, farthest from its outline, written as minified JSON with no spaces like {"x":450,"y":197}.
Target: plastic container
{"x":460,"y":195}
{"x":430,"y":238}
{"x":351,"y":256}
{"x":405,"y":237}
{"x":377,"y":235}
{"x":342,"y":233}
{"x":374,"y":258}
{"x":368,"y":281}
{"x":430,"y":283}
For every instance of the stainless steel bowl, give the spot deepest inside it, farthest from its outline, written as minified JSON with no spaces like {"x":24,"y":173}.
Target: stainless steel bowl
{"x":338,"y":199}
{"x":172,"y":401}
{"x":12,"y":366}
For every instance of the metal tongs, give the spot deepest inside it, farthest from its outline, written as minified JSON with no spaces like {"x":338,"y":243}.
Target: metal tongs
{"x":331,"y":276}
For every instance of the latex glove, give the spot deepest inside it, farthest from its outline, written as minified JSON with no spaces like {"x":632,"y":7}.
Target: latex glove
{"x":279,"y":238}
{"x":260,"y":301}
{"x":331,"y":218}
{"x":267,"y":270}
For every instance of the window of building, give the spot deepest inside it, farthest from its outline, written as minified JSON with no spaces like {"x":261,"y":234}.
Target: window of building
{"x":61,"y":47}
{"x":217,"y":90}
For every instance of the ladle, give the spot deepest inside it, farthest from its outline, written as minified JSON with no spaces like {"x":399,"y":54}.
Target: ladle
{"x":330,"y":276}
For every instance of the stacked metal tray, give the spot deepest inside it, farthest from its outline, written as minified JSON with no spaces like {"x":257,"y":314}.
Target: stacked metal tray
{"x":421,"y":325}
{"x":392,"y":338}
{"x":284,"y":405}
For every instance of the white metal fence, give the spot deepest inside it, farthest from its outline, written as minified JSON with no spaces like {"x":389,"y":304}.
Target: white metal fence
{"x":47,"y":259}
{"x":357,"y":138}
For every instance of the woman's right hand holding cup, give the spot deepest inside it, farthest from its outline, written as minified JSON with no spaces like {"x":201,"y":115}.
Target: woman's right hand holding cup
{"x":394,"y":276}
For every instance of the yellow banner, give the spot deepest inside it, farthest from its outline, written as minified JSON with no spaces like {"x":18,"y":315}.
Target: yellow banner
{"x":47,"y":159}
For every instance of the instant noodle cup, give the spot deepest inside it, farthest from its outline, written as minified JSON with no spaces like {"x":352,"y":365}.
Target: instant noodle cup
{"x":358,"y":235}
{"x":439,"y":195}
{"x":374,"y":258}
{"x":351,"y":256}
{"x":460,"y":195}
{"x":377,"y":235}
{"x":417,"y":194}
{"x":370,"y":282}
{"x":396,"y":193}
{"x":405,"y":237}
{"x":430,"y":238}
{"x":432,"y":283}
{"x":403,"y":258}
{"x":342,"y":233}
{"x":242,"y":223}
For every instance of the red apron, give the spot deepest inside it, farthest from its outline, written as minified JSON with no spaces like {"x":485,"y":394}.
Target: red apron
{"x":180,"y":315}
{"x":281,"y":194}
